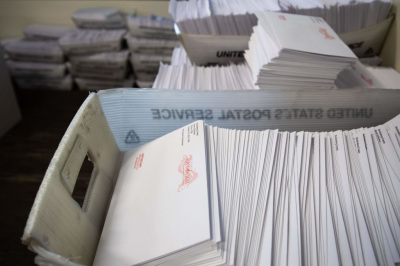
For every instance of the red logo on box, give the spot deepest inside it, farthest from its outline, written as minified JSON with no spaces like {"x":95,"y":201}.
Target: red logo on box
{"x":139,"y":161}
{"x":325,"y":32}
{"x":188,"y":174}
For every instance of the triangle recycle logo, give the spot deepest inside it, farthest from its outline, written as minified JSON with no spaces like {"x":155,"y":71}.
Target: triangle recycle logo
{"x":132,"y":137}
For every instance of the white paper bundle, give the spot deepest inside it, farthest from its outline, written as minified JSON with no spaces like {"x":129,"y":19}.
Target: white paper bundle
{"x":144,"y":63}
{"x":293,"y":51}
{"x":273,"y":197}
{"x":97,"y":73}
{"x":361,"y":76}
{"x":114,"y":60}
{"x":235,"y":17}
{"x":98,"y":84}
{"x":44,"y":83}
{"x":188,"y":77}
{"x":34,"y":51}
{"x":151,"y":27}
{"x":144,"y":45}
{"x":98,"y":18}
{"x":36,"y":70}
{"x":84,"y":42}
{"x":111,"y":65}
{"x":46,"y":32}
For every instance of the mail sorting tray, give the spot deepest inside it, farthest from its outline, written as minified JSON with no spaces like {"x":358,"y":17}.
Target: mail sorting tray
{"x":111,"y":122}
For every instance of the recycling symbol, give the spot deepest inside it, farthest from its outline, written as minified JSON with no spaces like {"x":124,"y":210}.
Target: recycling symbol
{"x":132,"y":137}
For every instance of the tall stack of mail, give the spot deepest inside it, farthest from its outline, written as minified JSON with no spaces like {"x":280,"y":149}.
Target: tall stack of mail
{"x":362,"y":24}
{"x":37,"y":61}
{"x":97,"y":59}
{"x":294,"y":51}
{"x":151,"y":40}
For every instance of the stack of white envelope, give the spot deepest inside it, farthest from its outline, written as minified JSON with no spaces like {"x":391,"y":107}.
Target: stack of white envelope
{"x":96,"y":57}
{"x":236,"y":17}
{"x":98,"y":18}
{"x":46,"y":32}
{"x":189,"y":77}
{"x":361,"y":76}
{"x":204,"y":195}
{"x":151,"y":40}
{"x":294,"y":51}
{"x":37,"y":64}
{"x":109,"y":66}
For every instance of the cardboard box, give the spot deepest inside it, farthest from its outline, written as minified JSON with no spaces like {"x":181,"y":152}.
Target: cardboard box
{"x":111,"y":122}
{"x":223,"y":49}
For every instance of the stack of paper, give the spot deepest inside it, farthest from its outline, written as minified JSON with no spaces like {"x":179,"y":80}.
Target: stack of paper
{"x":34,"y":51}
{"x":235,"y":17}
{"x":37,"y":64}
{"x":151,"y":27}
{"x":44,"y":83}
{"x":111,"y":65}
{"x":188,"y":77}
{"x":294,"y":51}
{"x":98,"y":18}
{"x":141,"y":45}
{"x":361,"y":76}
{"x":83,"y":42}
{"x":93,"y":84}
{"x":243,"y":197}
{"x":151,"y":40}
{"x":96,"y":58}
{"x":46,"y":32}
{"x":146,"y":66}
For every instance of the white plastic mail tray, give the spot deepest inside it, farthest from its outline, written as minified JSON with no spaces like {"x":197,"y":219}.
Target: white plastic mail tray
{"x":113,"y":121}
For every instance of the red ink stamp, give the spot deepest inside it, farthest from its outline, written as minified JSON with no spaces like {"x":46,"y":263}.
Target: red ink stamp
{"x":282,"y":17}
{"x":188,"y":174}
{"x":325,"y":32}
{"x":139,"y":161}
{"x":369,"y":81}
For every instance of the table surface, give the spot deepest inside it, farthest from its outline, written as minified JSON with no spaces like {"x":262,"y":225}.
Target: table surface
{"x":25,"y":153}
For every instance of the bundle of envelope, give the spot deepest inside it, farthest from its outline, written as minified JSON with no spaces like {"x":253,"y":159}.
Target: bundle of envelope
{"x":244,"y":197}
{"x":98,"y":18}
{"x":294,"y":51}
{"x":46,"y":32}
{"x":151,"y":40}
{"x":361,"y":76}
{"x":98,"y":55}
{"x":188,"y":77}
{"x":235,"y":17}
{"x":37,"y":64}
{"x":108,"y":66}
